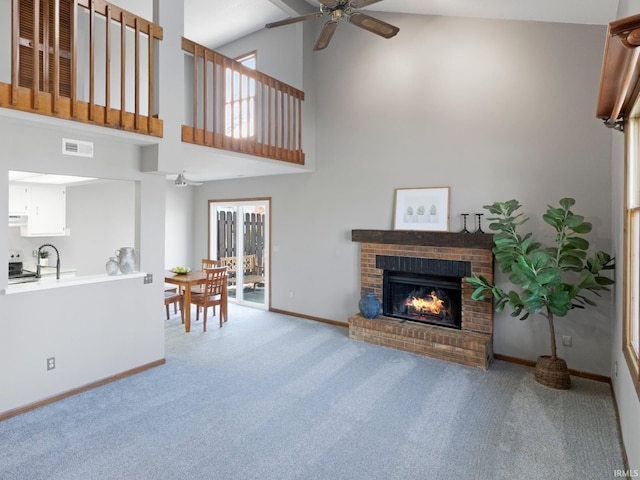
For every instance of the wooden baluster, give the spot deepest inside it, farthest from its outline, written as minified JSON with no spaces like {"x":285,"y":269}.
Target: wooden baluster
{"x":74,"y":59}
{"x":150,"y":92}
{"x":214,"y":107}
{"x":35,"y":81}
{"x":282,"y":120}
{"x":299,"y":129}
{"x":223,"y":107}
{"x":136,"y":43}
{"x":289,"y":123}
{"x":123,"y":66}
{"x":92,"y":57}
{"x":45,"y":44}
{"x":107,"y":68}
{"x":205,"y":97}
{"x":195,"y":94}
{"x":15,"y":32}
{"x":56,"y":56}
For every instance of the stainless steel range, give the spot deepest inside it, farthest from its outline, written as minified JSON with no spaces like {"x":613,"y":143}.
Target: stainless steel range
{"x":17,"y":274}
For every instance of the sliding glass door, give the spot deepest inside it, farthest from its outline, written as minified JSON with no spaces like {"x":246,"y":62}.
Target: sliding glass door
{"x":239,"y":239}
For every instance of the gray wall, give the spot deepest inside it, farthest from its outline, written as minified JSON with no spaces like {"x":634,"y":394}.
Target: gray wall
{"x":494,"y":109}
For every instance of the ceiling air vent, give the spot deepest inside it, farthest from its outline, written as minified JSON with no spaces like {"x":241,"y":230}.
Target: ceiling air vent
{"x":77,"y":148}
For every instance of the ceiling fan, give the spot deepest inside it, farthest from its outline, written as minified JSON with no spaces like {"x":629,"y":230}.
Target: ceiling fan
{"x":339,"y":9}
{"x":182,"y":181}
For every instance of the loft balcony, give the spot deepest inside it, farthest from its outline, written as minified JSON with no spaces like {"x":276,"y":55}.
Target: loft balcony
{"x":94,"y":63}
{"x":238,"y":109}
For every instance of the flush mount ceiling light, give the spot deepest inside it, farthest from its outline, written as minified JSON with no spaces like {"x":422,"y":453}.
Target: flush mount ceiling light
{"x":182,"y":181}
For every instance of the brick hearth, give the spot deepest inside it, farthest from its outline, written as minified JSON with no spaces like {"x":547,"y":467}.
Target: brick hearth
{"x":473,"y":344}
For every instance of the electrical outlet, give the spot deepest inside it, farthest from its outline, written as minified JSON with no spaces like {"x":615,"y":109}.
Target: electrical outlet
{"x":566,"y":340}
{"x":291,"y":294}
{"x":148,"y":278}
{"x":34,"y":253}
{"x":51,"y":363}
{"x":615,"y":369}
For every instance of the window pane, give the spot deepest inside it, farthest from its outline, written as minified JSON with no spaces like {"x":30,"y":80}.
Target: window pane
{"x":634,"y":278}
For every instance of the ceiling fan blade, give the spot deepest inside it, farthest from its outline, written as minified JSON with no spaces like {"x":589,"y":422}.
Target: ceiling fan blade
{"x":373,"y":25}
{"x":325,"y":35}
{"x":362,"y":3}
{"x":288,"y":21}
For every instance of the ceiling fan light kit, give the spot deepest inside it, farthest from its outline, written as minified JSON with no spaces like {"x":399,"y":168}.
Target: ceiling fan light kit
{"x":339,"y":9}
{"x":181,"y":181}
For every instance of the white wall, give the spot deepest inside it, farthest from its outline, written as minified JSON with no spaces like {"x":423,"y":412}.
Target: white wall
{"x":94,"y":331}
{"x":482,"y":106}
{"x":178,"y":227}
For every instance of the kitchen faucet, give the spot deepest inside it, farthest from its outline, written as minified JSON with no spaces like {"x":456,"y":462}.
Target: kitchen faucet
{"x":38,"y":273}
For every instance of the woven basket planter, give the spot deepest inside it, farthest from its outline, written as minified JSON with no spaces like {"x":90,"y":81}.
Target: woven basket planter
{"x":553,"y":373}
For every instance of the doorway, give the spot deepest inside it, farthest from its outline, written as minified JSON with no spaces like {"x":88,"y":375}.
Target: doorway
{"x":239,"y":238}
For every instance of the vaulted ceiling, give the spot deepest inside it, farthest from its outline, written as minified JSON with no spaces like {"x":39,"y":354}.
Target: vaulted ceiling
{"x":216,"y":22}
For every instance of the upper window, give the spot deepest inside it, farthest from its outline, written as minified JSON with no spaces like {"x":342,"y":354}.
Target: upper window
{"x":240,"y":100}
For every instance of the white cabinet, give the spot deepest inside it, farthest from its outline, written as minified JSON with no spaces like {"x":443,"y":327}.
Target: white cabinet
{"x":19,"y":200}
{"x":47,"y":211}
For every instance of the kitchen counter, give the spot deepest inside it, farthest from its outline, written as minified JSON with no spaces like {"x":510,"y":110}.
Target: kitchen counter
{"x":49,"y":281}
{"x":49,"y":271}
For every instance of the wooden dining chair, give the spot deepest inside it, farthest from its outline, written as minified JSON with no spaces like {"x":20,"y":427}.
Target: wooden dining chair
{"x":174,"y":298}
{"x":215,"y":293}
{"x":206,"y":263}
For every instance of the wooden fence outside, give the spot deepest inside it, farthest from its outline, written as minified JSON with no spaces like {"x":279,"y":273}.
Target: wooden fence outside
{"x":253,"y":232}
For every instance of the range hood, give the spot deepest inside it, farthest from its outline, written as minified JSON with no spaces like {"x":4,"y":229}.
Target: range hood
{"x":17,"y":220}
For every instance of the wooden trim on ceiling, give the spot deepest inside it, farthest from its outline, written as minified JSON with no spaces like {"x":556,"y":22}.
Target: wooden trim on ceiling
{"x":620,"y":77}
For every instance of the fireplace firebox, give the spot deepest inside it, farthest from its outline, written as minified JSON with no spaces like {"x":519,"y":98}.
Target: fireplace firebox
{"x":431,"y":299}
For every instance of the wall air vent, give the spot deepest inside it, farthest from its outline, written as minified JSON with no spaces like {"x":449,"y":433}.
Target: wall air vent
{"x":77,"y":148}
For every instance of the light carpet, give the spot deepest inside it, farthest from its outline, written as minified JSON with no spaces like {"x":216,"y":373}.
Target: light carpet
{"x":270,"y":396}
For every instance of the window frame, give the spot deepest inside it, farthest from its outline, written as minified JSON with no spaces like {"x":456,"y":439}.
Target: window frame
{"x":631,"y":249}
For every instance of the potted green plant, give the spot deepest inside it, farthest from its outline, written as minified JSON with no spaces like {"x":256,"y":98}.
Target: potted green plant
{"x":409,"y":215}
{"x":433,"y":212}
{"x":44,"y":258}
{"x":550,"y":281}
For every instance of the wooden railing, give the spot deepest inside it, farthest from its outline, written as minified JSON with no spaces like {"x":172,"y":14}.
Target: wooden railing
{"x":239,"y":109}
{"x":88,"y":67}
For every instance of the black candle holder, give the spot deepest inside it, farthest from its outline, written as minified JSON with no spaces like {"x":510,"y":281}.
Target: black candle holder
{"x":479,"y":230}
{"x":464,"y":223}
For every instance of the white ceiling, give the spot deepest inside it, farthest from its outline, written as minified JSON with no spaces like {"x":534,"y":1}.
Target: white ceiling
{"x":216,"y":22}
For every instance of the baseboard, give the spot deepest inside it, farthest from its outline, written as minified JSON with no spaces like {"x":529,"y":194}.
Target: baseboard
{"x":309,"y":317}
{"x":625,"y":459}
{"x":41,"y":403}
{"x":575,"y":373}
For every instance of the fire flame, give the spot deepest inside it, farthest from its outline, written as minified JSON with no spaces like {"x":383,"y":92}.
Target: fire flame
{"x":432,"y":304}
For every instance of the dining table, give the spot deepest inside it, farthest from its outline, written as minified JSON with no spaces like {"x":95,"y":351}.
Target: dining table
{"x":185,"y":282}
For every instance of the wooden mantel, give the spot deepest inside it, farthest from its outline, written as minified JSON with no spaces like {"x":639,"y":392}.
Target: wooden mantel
{"x":620,"y":78}
{"x":415,"y":237}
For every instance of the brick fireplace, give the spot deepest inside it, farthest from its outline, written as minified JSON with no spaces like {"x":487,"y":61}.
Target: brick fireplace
{"x":450,"y":255}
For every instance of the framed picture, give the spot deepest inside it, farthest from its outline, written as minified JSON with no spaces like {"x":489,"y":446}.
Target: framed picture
{"x":422,"y":209}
